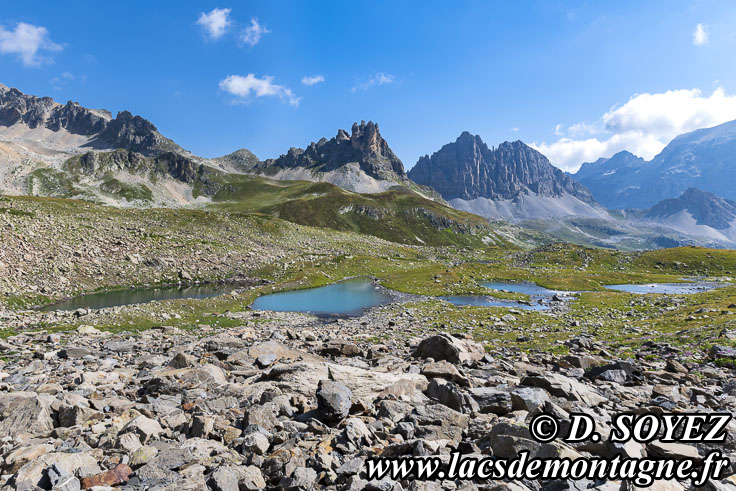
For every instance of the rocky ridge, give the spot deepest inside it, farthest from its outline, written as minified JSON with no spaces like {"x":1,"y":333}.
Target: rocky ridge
{"x":364,"y":146}
{"x":697,"y":213}
{"x":105,"y":132}
{"x":511,"y":181}
{"x":360,"y":161}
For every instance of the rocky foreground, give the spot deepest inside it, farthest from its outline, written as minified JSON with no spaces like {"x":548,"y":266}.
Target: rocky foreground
{"x":299,"y":403}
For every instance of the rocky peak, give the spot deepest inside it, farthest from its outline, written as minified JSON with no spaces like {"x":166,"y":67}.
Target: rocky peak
{"x":706,"y":208}
{"x":124,"y":131}
{"x":366,"y":138}
{"x":364,"y":146}
{"x":469,"y":169}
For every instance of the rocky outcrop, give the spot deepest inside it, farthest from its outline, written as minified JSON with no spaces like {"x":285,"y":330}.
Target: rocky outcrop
{"x":469,"y":169}
{"x":105,"y":132}
{"x":512,"y":182}
{"x":133,"y":133}
{"x":364,"y":146}
{"x":168,"y":164}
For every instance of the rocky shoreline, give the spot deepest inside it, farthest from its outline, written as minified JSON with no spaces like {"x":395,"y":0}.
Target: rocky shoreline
{"x":299,"y":402}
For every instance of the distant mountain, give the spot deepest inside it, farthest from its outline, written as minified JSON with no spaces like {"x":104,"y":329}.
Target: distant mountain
{"x":606,"y":178}
{"x":705,"y":159}
{"x":361,"y":161}
{"x":513,"y":181}
{"x":698,"y":213}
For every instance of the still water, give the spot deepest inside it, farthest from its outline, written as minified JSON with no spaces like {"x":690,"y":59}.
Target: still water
{"x":349,"y":297}
{"x":539,"y":296}
{"x":666,"y":288}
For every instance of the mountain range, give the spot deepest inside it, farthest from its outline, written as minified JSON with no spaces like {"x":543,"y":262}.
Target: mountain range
{"x":69,"y":151}
{"x":703,"y":159}
{"x":355,"y":182}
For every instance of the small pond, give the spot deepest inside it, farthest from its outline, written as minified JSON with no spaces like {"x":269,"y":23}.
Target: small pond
{"x":350,"y":297}
{"x":666,"y":288}
{"x":117,"y":298}
{"x":540,"y":297}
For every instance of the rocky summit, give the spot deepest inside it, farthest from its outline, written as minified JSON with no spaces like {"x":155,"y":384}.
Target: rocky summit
{"x":103,"y":131}
{"x":358,"y":161}
{"x":510,"y":181}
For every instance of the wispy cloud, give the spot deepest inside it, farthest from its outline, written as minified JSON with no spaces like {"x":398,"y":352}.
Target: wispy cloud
{"x":378,"y":79}
{"x":215,"y":23}
{"x":313,"y":79}
{"x":254,"y":32}
{"x":700,"y":35}
{"x":644,"y":126}
{"x":58,"y":83}
{"x":249,"y":87}
{"x":26,"y":41}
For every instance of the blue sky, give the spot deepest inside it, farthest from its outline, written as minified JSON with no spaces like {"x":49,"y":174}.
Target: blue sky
{"x":578,"y":80}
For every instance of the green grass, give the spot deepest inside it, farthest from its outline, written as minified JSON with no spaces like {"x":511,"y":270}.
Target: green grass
{"x":397,"y":215}
{"x":128,"y":192}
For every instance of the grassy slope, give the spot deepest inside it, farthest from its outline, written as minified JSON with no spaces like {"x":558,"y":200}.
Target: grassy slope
{"x":395,"y":215}
{"x":621,"y":320}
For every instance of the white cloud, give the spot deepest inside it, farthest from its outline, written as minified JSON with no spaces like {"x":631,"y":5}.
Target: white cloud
{"x":380,"y":78}
{"x":254,"y":32}
{"x":700,"y":35}
{"x":215,"y":23}
{"x":26,"y":40}
{"x":644,"y":126}
{"x":313,"y":79}
{"x":245,"y":88}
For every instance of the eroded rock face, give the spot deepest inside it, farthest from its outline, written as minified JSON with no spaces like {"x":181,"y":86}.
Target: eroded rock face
{"x":364,"y":146}
{"x":124,"y":131}
{"x":469,"y":169}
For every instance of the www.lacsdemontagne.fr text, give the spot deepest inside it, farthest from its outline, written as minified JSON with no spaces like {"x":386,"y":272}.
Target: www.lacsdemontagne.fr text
{"x":641,"y":471}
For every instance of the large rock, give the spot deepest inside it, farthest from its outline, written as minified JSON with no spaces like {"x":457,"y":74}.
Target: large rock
{"x":303,"y":378}
{"x":492,"y":400}
{"x":23,"y":412}
{"x":561,"y":386}
{"x":333,"y":402}
{"x":33,"y":473}
{"x":449,"y":348}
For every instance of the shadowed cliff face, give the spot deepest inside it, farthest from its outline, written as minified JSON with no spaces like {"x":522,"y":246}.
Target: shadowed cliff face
{"x":123,"y":131}
{"x":364,"y":145}
{"x":468,"y":169}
